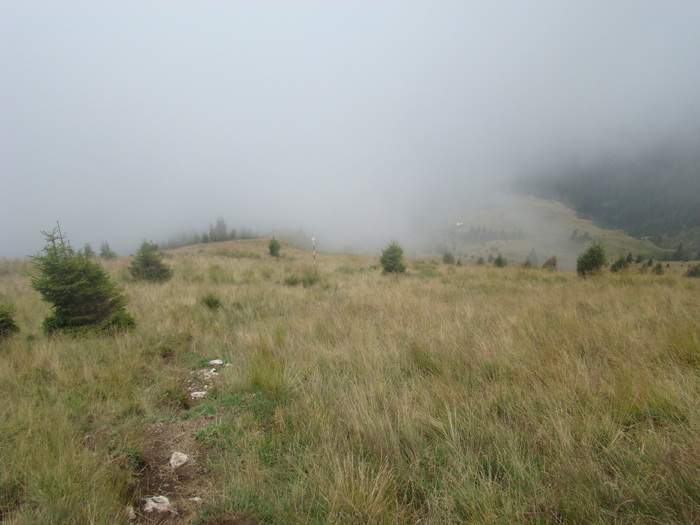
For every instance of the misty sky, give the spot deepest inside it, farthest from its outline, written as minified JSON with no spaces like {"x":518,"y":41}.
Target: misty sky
{"x":140,"y":120}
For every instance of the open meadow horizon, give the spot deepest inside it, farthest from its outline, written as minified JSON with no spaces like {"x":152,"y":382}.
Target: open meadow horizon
{"x":448,"y":394}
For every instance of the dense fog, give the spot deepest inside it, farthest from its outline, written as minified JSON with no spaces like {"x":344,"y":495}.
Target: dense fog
{"x":353,"y":122}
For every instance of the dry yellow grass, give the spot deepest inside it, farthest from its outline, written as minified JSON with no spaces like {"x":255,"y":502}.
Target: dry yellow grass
{"x":447,"y":395}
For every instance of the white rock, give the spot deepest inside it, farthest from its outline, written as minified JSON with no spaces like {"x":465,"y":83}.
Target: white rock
{"x":198,"y":395}
{"x":196,"y":499}
{"x":157,"y":504}
{"x":131,"y":513}
{"x":216,"y":362}
{"x":178,"y":459}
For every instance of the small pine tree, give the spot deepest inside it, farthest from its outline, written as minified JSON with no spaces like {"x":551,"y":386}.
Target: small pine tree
{"x":693,"y":271}
{"x":550,"y":264}
{"x":148,"y":264}
{"x":8,"y":326}
{"x":480,"y":261}
{"x":448,"y":258}
{"x":592,"y":260}
{"x":650,"y":262}
{"x":658,"y":269}
{"x":629,"y":258}
{"x":88,"y":251}
{"x":500,"y":261}
{"x":106,"y":252}
{"x":639,"y":259}
{"x":82,"y":295}
{"x":274,"y":247}
{"x":622,"y":263}
{"x":392,"y":258}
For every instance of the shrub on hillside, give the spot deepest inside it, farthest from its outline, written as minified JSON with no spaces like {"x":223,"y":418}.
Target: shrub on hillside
{"x":448,"y":258}
{"x":500,"y":261}
{"x":106,"y":252}
{"x":592,"y":260}
{"x":550,"y":264}
{"x":274,"y":247}
{"x":148,"y":264}
{"x":693,"y":271}
{"x":81,"y":293}
{"x":392,"y":259}
{"x":622,"y":263}
{"x":8,"y":326}
{"x":658,"y":269}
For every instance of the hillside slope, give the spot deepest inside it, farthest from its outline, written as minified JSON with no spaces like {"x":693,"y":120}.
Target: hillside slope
{"x":520,"y":227}
{"x":653,"y":194}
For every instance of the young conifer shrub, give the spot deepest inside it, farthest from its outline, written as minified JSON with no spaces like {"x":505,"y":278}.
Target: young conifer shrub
{"x":550,"y":264}
{"x":82,"y":295}
{"x":448,"y":258}
{"x":392,"y":258}
{"x":148,"y":264}
{"x":500,"y":261}
{"x":106,"y":252}
{"x":592,"y":260}
{"x":622,"y":263}
{"x":274,"y":247}
{"x":8,"y":326}
{"x":693,"y":271}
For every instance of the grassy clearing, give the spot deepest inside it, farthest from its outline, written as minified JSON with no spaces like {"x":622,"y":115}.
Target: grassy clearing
{"x":446,"y":395}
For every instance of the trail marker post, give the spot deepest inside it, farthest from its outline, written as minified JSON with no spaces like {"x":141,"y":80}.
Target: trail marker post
{"x":313,"y":243}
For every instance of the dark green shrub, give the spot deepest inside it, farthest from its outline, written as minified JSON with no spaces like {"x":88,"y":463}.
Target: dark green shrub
{"x":592,"y":260}
{"x":500,"y":261}
{"x":392,"y":259}
{"x":622,"y":263}
{"x":480,"y":261}
{"x":274,"y":247}
{"x":88,"y":251}
{"x":658,"y":269}
{"x":8,"y":326}
{"x":106,"y":252}
{"x":550,"y":264}
{"x":693,"y":271}
{"x":148,"y":264}
{"x":211,"y":301}
{"x":82,"y":295}
{"x":448,"y":258}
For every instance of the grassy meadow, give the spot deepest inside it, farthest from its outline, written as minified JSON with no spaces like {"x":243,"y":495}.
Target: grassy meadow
{"x":450,"y":394}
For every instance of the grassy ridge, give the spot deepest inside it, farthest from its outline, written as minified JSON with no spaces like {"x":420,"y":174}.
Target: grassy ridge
{"x":448,"y":395}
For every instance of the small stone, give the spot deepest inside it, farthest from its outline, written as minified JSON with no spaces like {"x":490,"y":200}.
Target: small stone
{"x":198,"y":395}
{"x":216,"y":362}
{"x":178,"y":459}
{"x":157,"y":504}
{"x":131,"y":513}
{"x":196,"y":499}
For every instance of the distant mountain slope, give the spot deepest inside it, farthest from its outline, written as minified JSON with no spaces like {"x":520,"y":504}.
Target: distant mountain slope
{"x":655,"y":194}
{"x":528,"y":227}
